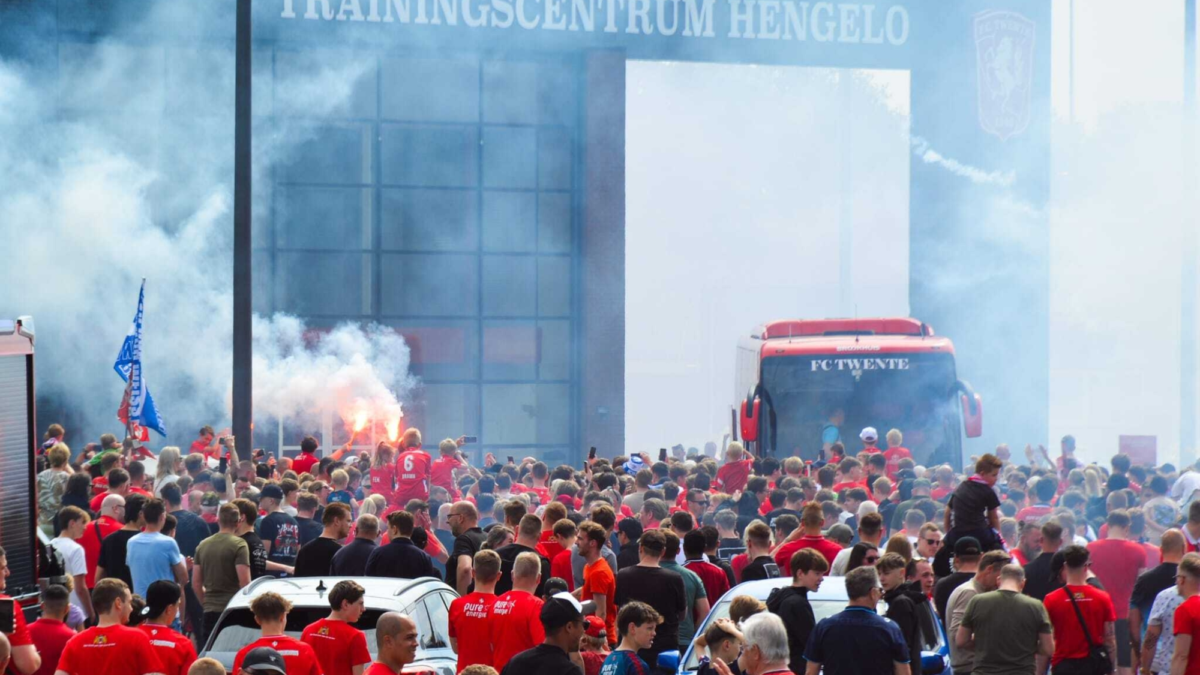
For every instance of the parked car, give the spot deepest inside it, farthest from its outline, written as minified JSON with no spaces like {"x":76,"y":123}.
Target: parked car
{"x":830,"y":599}
{"x":426,"y":600}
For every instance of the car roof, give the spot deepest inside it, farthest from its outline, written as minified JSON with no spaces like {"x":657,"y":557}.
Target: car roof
{"x":379,"y":591}
{"x":833,"y":589}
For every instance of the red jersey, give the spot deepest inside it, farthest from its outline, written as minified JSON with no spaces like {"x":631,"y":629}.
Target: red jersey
{"x":560,"y":566}
{"x":548,"y":546}
{"x":515,"y":626}
{"x":1117,"y":562}
{"x":21,"y":634}
{"x":848,"y":485}
{"x":1097,"y":609}
{"x":733,"y":476}
{"x":470,"y":617}
{"x":1187,"y":622}
{"x":113,"y":650}
{"x":442,"y":474}
{"x":298,"y":657}
{"x":543,"y":494}
{"x":783,"y":558}
{"x":175,"y":651}
{"x":304,"y":463}
{"x":1019,"y":557}
{"x":893,"y":456}
{"x":383,"y":481}
{"x":1034,"y":513}
{"x":598,"y":579}
{"x":713,"y":577}
{"x":939,"y":493}
{"x":338,"y":645}
{"x":413,"y":469}
{"x":49,"y":638}
{"x":378,"y":668}
{"x":93,"y":535}
{"x":738,"y":564}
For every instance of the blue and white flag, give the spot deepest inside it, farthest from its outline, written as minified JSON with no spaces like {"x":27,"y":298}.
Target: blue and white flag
{"x":139,"y":404}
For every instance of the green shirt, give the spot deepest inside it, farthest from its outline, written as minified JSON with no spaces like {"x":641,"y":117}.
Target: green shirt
{"x":1007,"y":626}
{"x":693,"y":588}
{"x":218,"y":558}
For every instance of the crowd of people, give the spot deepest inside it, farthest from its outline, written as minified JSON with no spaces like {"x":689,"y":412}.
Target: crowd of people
{"x":1046,"y":565}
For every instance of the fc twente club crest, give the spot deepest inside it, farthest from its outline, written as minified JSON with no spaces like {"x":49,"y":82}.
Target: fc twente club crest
{"x":1004,"y":47}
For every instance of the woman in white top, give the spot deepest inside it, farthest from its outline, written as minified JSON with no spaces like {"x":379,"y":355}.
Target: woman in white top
{"x":170,"y":465}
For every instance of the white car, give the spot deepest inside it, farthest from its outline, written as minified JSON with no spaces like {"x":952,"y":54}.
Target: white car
{"x":830,"y":599}
{"x":426,"y":600}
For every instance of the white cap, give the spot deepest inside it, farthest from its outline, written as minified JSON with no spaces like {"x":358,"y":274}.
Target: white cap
{"x":869,"y":434}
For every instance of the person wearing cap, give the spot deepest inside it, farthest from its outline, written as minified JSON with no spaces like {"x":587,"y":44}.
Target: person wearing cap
{"x":340,"y":647}
{"x":164,"y":602}
{"x":395,"y":644}
{"x":280,"y":533}
{"x":126,"y":651}
{"x":561,"y":619}
{"x":638,"y":624}
{"x":470,"y":615}
{"x":513,"y":626}
{"x":869,"y":437}
{"x":270,"y":612}
{"x":966,"y":563}
{"x":593,"y":646}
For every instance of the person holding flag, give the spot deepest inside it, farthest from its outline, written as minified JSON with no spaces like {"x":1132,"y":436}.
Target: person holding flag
{"x":137,"y":410}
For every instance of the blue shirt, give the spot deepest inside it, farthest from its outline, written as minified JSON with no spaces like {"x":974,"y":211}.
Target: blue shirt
{"x":150,"y":557}
{"x":624,"y":663}
{"x":856,"y":641}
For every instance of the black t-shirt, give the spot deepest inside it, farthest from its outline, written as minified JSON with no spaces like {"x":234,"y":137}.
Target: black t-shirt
{"x":508,"y":556}
{"x":945,"y":586}
{"x":662,"y":590}
{"x":762,"y":567}
{"x":309,"y":529}
{"x":284,"y":534}
{"x":468,"y":543}
{"x":190,"y":530}
{"x":1149,"y":584}
{"x":775,"y":513}
{"x":315,"y":557}
{"x":112,"y":555}
{"x":729,"y":547}
{"x":541,"y":660}
{"x":970,"y":505}
{"x":258,"y":554}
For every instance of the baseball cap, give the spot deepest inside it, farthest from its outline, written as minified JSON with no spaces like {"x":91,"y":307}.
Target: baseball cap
{"x":210,"y":499}
{"x":869,"y":434}
{"x":271,"y":491}
{"x":559,"y":610}
{"x":594,"y":627}
{"x":922,"y":483}
{"x":264,"y":660}
{"x":967,"y":546}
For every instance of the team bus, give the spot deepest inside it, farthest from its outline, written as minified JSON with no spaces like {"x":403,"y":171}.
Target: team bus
{"x":800,"y":383}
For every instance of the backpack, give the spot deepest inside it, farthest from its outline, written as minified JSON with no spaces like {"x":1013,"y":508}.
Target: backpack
{"x":51,"y":565}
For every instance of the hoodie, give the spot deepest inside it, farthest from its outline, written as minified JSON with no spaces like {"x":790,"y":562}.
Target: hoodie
{"x":791,"y":604}
{"x":903,"y":604}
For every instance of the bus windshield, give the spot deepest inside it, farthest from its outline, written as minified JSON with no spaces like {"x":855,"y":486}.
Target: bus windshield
{"x":914,"y":393}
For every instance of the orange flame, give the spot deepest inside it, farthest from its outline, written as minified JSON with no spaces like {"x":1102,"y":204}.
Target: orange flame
{"x":393,"y":429}
{"x":360,"y":420}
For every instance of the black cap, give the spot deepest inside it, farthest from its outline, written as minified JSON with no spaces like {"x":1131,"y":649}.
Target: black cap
{"x":264,"y":660}
{"x":271,"y":491}
{"x":967,"y":546}
{"x":559,"y":610}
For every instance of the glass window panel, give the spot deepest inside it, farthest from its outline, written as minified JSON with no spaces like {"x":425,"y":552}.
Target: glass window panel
{"x":509,"y":222}
{"x":132,"y":77}
{"x":323,"y":217}
{"x":554,"y":158}
{"x":510,"y":92}
{"x":427,"y":155}
{"x":557,"y":97}
{"x":509,"y":286}
{"x":437,"y":285}
{"x":213,"y":67}
{"x":439,"y":616}
{"x":509,"y":414}
{"x":430,"y":220}
{"x":325,"y":83}
{"x":336,"y":153}
{"x":421,"y":89}
{"x":554,"y":350}
{"x":447,"y":411}
{"x":509,"y":157}
{"x":262,"y":282}
{"x":554,"y":222}
{"x":510,"y":350}
{"x":553,"y":413}
{"x":441,"y":349}
{"x":323,"y":283}
{"x":554,"y":286}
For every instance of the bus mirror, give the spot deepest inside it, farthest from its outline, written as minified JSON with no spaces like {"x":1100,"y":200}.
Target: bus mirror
{"x":972,"y":415}
{"x":749,"y":421}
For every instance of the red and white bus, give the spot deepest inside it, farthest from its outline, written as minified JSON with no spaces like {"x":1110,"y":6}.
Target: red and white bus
{"x":801,"y":382}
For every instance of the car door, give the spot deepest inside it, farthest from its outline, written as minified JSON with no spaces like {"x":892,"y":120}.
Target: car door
{"x":433,"y":621}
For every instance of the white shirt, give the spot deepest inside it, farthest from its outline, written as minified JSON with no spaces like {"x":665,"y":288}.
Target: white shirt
{"x":1184,"y":489}
{"x":840,"y":562}
{"x":75,"y":563}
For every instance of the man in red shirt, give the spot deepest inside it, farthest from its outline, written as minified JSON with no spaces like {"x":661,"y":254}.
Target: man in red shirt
{"x":539,"y":475}
{"x":206,"y":444}
{"x":118,"y":484}
{"x":548,"y":544}
{"x":850,"y":475}
{"x":340,"y":647}
{"x":270,"y":612}
{"x":449,"y":460}
{"x":1070,"y":643}
{"x":1117,"y":562}
{"x":395,"y":642}
{"x":599,"y":580}
{"x":110,"y":647}
{"x":50,"y":633}
{"x":713,"y":577}
{"x":413,"y":469}
{"x":738,"y":464}
{"x":515,"y":624}
{"x":1186,"y":658}
{"x":565,"y":534}
{"x":808,"y":535}
{"x":895,"y":453}
{"x":112,"y":518}
{"x":1044,"y":490}
{"x":307,"y":459}
{"x":470,"y":615}
{"x":175,"y":651}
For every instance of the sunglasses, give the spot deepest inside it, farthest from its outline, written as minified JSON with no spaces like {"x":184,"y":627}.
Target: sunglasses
{"x":934,"y":542}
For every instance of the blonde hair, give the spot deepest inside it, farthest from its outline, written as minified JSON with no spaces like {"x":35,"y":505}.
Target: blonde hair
{"x":167,"y":459}
{"x":385,"y":455}
{"x":411,"y":438}
{"x":735,"y":450}
{"x":373,"y":505}
{"x":206,"y":666}
{"x":894,"y":437}
{"x":339,"y":478}
{"x":58,"y":454}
